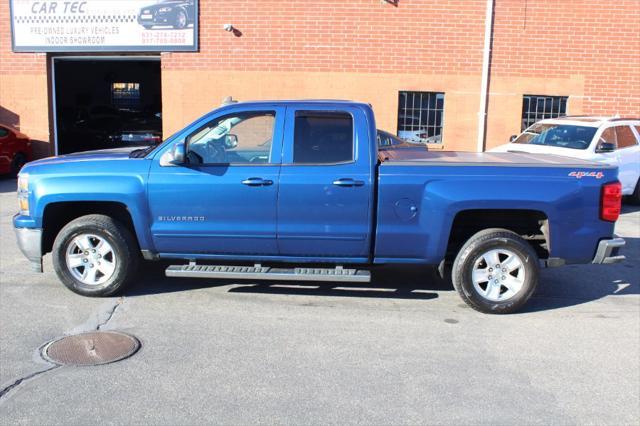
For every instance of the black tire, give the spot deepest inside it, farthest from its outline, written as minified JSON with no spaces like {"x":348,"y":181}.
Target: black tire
{"x":125,"y":250}
{"x":481,"y":243}
{"x":635,"y":197}
{"x":18,"y":162}
{"x":180,"y":20}
{"x":147,"y":27}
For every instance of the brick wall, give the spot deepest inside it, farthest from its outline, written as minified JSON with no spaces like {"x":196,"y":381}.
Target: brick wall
{"x":10,"y":63}
{"x":23,"y":89}
{"x":598,"y":40}
{"x":365,"y":50}
{"x":417,"y":36}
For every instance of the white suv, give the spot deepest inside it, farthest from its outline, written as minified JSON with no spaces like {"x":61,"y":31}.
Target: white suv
{"x":606,"y":139}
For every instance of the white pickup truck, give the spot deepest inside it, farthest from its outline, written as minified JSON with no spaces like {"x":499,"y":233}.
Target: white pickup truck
{"x":609,"y":140}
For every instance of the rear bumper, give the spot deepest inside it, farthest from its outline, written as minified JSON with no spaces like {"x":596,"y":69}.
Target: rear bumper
{"x":608,"y":251}
{"x":30,"y":244}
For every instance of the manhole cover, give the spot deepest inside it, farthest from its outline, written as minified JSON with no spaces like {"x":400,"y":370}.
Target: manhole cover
{"x":94,"y":348}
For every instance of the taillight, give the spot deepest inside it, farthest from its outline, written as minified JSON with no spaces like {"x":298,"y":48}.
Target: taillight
{"x":611,"y":201}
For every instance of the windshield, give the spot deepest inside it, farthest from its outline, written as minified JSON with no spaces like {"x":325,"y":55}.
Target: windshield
{"x":558,"y":135}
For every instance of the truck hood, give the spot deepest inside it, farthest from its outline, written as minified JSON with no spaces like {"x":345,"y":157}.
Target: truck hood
{"x":486,"y":158}
{"x":98,"y":155}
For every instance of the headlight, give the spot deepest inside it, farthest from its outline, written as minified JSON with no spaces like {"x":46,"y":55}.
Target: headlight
{"x":23,"y":194}
{"x":23,"y":183}
{"x":164,"y":9}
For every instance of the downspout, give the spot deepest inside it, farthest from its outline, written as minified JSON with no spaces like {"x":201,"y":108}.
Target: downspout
{"x":484,"y":89}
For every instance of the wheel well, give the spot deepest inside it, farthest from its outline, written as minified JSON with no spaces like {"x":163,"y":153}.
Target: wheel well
{"x":532,"y":225}
{"x":57,"y":215}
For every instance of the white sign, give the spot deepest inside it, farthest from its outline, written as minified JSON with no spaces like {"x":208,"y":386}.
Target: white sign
{"x":104,"y":25}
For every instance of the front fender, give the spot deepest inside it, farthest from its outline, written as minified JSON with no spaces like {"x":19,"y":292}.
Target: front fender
{"x":129,"y":190}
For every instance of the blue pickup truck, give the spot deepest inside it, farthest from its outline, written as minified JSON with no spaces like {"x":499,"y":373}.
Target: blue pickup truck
{"x":300,"y":190}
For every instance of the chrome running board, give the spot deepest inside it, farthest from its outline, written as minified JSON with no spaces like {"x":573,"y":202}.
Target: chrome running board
{"x":259,"y":272}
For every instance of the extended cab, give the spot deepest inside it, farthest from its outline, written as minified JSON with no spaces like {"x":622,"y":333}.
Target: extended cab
{"x":253,"y":188}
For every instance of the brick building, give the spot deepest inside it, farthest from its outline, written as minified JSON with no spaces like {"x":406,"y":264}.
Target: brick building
{"x":418,"y":62}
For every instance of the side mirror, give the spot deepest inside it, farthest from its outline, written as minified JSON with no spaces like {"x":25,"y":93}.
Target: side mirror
{"x":605,"y":147}
{"x":230,"y":141}
{"x":513,"y":138}
{"x":175,"y":156}
{"x":179,"y":153}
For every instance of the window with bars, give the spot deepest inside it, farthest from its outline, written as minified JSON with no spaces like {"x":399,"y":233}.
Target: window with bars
{"x":420,"y":116}
{"x":539,"y":107}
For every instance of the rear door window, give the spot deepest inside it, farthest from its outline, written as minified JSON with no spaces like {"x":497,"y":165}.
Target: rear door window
{"x":323,"y":137}
{"x":625,"y":137}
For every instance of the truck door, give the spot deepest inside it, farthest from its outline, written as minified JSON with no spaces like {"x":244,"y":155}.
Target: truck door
{"x":326,"y":185}
{"x":222,"y":200}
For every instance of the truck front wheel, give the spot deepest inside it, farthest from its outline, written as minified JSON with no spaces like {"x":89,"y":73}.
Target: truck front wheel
{"x":95,"y":255}
{"x":495,"y":271}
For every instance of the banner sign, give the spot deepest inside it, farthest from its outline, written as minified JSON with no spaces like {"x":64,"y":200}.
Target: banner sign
{"x":104,"y":25}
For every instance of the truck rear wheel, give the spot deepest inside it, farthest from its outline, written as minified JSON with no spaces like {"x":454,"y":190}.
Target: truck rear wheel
{"x":495,"y":271}
{"x":95,"y":255}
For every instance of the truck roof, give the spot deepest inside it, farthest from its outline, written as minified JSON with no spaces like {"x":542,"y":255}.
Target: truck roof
{"x":588,"y":120}
{"x":298,"y":101}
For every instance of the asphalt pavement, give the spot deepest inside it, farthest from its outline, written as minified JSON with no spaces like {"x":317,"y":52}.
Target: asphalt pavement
{"x":402,"y":350}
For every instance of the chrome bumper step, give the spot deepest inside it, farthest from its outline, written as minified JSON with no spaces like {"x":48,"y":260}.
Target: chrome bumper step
{"x":259,"y":272}
{"x":607,"y":252}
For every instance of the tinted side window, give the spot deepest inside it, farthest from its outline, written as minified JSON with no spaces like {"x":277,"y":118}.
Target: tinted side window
{"x":608,"y":136}
{"x":3,"y":132}
{"x":322,"y":138}
{"x":625,"y":135}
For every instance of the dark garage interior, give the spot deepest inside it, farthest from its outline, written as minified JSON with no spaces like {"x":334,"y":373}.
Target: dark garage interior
{"x":107,"y":103}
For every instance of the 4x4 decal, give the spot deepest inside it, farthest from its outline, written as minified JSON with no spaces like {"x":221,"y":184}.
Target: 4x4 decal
{"x":580,"y":175}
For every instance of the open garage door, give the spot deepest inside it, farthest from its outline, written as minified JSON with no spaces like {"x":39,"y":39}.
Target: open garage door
{"x":102,"y":103}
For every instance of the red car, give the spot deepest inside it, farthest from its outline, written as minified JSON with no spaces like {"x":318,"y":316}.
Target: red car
{"x":15,"y":150}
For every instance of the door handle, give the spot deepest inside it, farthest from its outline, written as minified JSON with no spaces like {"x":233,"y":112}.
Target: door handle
{"x":348,"y":182}
{"x":255,"y":181}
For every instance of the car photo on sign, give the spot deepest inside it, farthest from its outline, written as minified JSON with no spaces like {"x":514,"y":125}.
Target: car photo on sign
{"x":105,"y":26}
{"x":178,"y":14}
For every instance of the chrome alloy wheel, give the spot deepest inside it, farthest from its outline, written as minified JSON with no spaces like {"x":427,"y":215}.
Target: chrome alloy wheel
{"x":498,"y":275}
{"x":91,"y":259}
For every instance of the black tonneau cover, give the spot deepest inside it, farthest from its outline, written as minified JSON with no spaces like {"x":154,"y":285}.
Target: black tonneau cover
{"x":450,"y":158}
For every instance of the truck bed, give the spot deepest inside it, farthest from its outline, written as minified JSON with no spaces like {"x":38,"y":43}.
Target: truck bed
{"x":436,"y":186}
